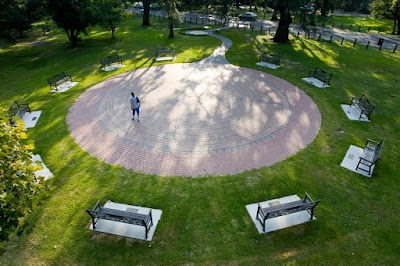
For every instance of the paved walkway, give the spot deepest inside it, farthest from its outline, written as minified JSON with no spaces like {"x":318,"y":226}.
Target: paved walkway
{"x":202,"y":118}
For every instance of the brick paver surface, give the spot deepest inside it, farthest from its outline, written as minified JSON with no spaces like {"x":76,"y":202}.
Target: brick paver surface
{"x":197,"y":119}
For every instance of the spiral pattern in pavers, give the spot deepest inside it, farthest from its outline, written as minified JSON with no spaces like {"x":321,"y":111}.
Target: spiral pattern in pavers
{"x":196,"y":119}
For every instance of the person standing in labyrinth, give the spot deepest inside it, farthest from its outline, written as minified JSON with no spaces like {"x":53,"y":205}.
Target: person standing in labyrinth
{"x":135,"y":105}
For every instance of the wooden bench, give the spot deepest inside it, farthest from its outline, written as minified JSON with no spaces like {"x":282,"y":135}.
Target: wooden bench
{"x":370,"y":155}
{"x":128,"y":217}
{"x":271,"y":59}
{"x":17,"y":109}
{"x":287,"y":208}
{"x":165,"y":53}
{"x":363,"y":104}
{"x":58,"y":79}
{"x":321,"y":75}
{"x":112,"y":59}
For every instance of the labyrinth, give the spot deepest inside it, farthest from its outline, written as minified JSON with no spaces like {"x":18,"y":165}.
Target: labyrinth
{"x":196,"y":119}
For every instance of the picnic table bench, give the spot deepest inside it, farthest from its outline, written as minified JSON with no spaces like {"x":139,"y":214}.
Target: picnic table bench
{"x":165,"y":53}
{"x":58,"y":79}
{"x":363,"y":104}
{"x":371,"y":154}
{"x":110,"y":60}
{"x":284,"y":209}
{"x":17,"y":109}
{"x":128,"y":217}
{"x":321,"y":75}
{"x":272,"y":59}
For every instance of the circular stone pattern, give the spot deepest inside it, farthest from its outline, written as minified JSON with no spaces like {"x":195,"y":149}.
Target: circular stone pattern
{"x":196,"y":119}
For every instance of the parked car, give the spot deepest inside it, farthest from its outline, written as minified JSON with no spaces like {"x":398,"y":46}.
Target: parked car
{"x":248,"y":16}
{"x":138,"y":6}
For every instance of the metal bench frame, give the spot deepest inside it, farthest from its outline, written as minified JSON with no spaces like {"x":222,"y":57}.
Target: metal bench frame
{"x":110,"y":60}
{"x":58,"y":79}
{"x":98,"y":212}
{"x":321,"y":75}
{"x":164,"y":52}
{"x":287,"y":208}
{"x":362,"y":104}
{"x":371,"y":154}
{"x":17,"y":109}
{"x":272,"y":59}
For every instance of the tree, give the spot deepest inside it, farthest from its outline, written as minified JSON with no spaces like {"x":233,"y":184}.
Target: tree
{"x":388,"y":9}
{"x":35,"y":10}
{"x":172,"y":13}
{"x":108,"y":14}
{"x":73,"y":16}
{"x":146,"y":13}
{"x":20,"y":191}
{"x":12,"y":19}
{"x":284,"y":7}
{"x":325,"y":6}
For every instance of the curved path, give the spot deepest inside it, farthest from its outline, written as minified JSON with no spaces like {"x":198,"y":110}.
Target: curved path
{"x":202,"y":118}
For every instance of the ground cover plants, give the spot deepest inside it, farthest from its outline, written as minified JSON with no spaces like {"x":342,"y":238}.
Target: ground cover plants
{"x":204,"y":219}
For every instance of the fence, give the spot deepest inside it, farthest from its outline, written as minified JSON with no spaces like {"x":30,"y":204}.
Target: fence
{"x":315,"y":33}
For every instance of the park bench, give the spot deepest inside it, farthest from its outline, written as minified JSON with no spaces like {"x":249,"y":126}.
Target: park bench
{"x":370,"y":155}
{"x":311,"y":31}
{"x":128,"y":216}
{"x":165,"y":53}
{"x":284,"y":209}
{"x":112,"y":59}
{"x":271,"y":59}
{"x":58,"y":79}
{"x":321,"y":75}
{"x":17,"y":109}
{"x":362,"y":104}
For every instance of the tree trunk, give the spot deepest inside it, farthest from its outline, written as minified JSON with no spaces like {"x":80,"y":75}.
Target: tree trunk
{"x":394,"y":25}
{"x":282,"y":32}
{"x":398,"y":25}
{"x":274,"y":15}
{"x":112,"y":33}
{"x":73,"y":37}
{"x":171,"y":27}
{"x":146,"y":12}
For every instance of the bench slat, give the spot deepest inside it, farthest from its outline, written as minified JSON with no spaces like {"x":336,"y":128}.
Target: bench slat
{"x":58,"y":79}
{"x":371,"y":154}
{"x":363,"y":104}
{"x":273,"y":59}
{"x":111,"y":60}
{"x":165,"y":52}
{"x":321,"y":75}
{"x":17,"y":109}
{"x":287,"y":208}
{"x":99,"y":212}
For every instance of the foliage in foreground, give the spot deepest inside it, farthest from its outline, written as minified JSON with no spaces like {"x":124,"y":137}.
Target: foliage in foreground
{"x":20,"y":190}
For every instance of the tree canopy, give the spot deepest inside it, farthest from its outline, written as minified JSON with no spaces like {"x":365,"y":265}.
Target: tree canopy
{"x":108,"y":14}
{"x":73,"y":16}
{"x":389,"y":9}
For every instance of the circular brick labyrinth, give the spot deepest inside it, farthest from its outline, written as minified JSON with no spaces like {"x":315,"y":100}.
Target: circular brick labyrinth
{"x":196,"y":119}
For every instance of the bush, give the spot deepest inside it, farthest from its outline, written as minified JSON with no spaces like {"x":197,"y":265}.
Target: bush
{"x":20,"y":190}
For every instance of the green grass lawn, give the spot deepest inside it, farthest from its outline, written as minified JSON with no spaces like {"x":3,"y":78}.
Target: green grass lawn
{"x":204,"y":219}
{"x":374,"y":24}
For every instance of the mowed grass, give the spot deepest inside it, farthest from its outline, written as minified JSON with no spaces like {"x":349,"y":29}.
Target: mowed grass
{"x":204,"y":219}
{"x":382,"y":25}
